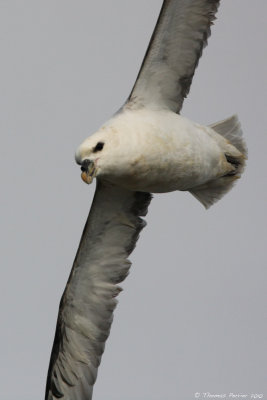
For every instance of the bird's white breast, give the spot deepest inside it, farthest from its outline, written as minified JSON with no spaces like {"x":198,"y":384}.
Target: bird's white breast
{"x":160,"y":151}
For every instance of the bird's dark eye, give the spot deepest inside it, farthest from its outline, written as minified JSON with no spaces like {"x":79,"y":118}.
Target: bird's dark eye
{"x":98,"y":147}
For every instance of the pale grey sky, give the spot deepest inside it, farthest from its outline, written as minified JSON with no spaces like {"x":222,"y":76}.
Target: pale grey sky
{"x":192,"y":317}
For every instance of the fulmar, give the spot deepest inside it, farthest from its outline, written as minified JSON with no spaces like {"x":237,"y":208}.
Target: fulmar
{"x":146,"y":147}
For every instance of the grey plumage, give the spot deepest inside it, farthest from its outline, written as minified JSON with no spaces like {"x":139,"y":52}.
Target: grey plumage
{"x":86,"y":307}
{"x":173,"y":53}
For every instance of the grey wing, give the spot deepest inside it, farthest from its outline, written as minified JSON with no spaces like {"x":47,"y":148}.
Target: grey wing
{"x":86,"y":308}
{"x":173,"y":53}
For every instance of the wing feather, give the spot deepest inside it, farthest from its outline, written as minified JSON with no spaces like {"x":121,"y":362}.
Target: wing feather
{"x":176,"y":45}
{"x":86,"y":308}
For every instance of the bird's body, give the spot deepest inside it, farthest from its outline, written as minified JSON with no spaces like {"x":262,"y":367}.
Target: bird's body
{"x":158,"y":151}
{"x":147,"y":147}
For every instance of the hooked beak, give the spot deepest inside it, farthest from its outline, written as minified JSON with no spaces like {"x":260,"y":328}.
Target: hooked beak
{"x":88,"y":171}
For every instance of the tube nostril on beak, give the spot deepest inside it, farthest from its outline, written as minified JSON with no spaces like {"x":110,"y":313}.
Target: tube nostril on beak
{"x":85,"y":164}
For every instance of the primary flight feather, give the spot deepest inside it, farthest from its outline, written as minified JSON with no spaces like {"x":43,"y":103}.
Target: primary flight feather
{"x":147,"y":147}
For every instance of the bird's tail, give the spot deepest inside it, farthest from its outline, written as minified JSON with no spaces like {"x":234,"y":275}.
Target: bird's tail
{"x":213,"y":191}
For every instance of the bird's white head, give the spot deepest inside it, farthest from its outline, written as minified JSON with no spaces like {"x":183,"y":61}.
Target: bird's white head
{"x":97,"y":154}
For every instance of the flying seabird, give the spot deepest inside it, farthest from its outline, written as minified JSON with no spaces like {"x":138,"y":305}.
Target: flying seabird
{"x":146,"y":147}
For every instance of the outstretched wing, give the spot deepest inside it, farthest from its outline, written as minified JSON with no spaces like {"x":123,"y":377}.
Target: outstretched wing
{"x":86,"y":308}
{"x":173,"y":53}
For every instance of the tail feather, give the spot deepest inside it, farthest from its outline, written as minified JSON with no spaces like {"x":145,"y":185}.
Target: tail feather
{"x":213,"y":191}
{"x":231,"y":130}
{"x":209,"y":193}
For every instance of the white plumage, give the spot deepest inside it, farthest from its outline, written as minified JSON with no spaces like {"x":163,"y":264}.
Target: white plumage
{"x":160,"y":151}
